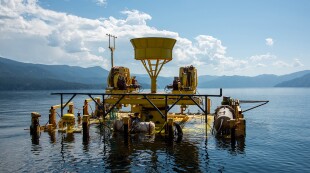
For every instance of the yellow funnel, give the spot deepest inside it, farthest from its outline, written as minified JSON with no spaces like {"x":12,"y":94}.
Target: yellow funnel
{"x":153,"y":52}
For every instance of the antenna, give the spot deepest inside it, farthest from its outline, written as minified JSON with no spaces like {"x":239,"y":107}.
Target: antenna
{"x":111,"y":48}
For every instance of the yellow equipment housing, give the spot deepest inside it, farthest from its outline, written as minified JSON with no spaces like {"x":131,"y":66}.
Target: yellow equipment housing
{"x":119,"y":78}
{"x":188,"y":78}
{"x":187,"y":81}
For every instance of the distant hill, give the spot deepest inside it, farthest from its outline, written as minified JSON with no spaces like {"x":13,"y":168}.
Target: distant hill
{"x":26,"y":76}
{"x":13,"y":83}
{"x":265,"y":80}
{"x":92,"y":75}
{"x":303,"y":81}
{"x":145,"y":80}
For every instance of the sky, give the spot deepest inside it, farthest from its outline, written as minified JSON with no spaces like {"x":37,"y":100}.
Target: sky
{"x":222,"y":37}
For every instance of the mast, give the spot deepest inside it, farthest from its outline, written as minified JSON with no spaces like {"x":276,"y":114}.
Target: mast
{"x":112,"y":48}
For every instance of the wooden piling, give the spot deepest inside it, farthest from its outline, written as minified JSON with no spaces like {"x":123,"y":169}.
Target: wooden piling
{"x":52,"y":117}
{"x":35,"y":125}
{"x":85,"y":126}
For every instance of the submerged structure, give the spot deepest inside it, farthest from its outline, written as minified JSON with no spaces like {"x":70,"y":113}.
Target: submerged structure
{"x":148,"y":112}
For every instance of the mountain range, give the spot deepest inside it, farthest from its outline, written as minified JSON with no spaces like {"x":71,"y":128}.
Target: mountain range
{"x":27,"y":76}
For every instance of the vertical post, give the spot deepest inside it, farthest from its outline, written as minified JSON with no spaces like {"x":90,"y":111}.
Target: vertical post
{"x":97,"y":111}
{"x":232,"y":124}
{"x":71,"y":108}
{"x":85,"y":108}
{"x":166,"y":108}
{"x":112,"y":59}
{"x":79,"y":120}
{"x":153,"y":84}
{"x":52,"y":117}
{"x":206,"y":109}
{"x":35,"y":127}
{"x":61,"y":107}
{"x":208,"y":105}
{"x":112,"y":48}
{"x":166,"y":114}
{"x":103,"y":107}
{"x":170,"y":129}
{"x":85,"y":126}
{"x":126,"y":122}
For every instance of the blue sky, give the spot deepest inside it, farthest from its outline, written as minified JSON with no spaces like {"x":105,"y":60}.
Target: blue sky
{"x":219,"y":37}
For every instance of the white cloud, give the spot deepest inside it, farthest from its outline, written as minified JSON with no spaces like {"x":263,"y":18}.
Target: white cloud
{"x":30,"y":33}
{"x":280,"y":64}
{"x":267,"y":60}
{"x":269,"y":41}
{"x":297,"y":63}
{"x":101,"y":2}
{"x":101,"y":49}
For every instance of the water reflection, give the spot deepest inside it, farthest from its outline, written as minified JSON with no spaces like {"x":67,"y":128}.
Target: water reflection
{"x":35,"y":139}
{"x":234,"y":147}
{"x":68,"y":138}
{"x":144,"y":151}
{"x":152,"y":153}
{"x":52,"y":135}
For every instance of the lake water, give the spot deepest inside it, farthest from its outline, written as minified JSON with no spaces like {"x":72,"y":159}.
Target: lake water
{"x":278,"y":139}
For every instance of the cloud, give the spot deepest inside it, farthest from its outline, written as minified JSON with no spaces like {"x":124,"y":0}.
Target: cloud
{"x":280,"y":64}
{"x":268,"y":60}
{"x":101,"y":49}
{"x":30,"y":33}
{"x":269,"y":42}
{"x":101,"y":2}
{"x":297,"y":63}
{"x":263,"y":57}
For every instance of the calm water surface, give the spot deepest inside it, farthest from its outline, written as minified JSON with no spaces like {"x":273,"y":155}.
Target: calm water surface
{"x":277,"y":140}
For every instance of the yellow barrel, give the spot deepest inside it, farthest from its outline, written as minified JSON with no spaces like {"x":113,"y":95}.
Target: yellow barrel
{"x":68,"y":117}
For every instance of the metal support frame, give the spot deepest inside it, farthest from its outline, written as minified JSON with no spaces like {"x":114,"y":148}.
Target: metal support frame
{"x":174,"y":103}
{"x":162,"y":115}
{"x":253,"y":101}
{"x":61,"y":101}
{"x":106,"y":113}
{"x":206,"y":109}
{"x":145,"y":95}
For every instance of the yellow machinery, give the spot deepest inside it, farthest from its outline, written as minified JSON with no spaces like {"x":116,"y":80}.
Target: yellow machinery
{"x":53,"y":111}
{"x":119,"y":80}
{"x":229,"y":119}
{"x":67,"y":123}
{"x":187,"y":81}
{"x":123,"y":91}
{"x":153,"y":52}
